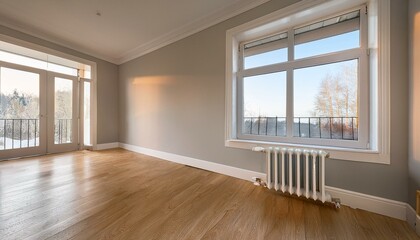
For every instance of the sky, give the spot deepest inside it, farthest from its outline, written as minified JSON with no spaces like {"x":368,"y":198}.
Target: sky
{"x":25,"y":82}
{"x":261,"y":93}
{"x":11,"y":79}
{"x":62,"y":84}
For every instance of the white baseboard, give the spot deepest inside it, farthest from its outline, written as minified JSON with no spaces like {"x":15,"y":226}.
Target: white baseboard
{"x":370,"y":203}
{"x":193,"y":162}
{"x":104,"y":146}
{"x":387,"y":207}
{"x":418,"y":225}
{"x":413,"y":219}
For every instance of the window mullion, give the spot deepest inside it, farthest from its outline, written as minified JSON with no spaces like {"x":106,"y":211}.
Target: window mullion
{"x":303,"y":63}
{"x":363,"y":90}
{"x":240,"y":91}
{"x":289,"y":100}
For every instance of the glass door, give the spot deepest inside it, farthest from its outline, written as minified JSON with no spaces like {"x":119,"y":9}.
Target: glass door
{"x":22,"y":111}
{"x":63,"y":113}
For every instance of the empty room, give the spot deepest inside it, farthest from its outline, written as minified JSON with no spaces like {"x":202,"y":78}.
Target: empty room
{"x":211,"y":119}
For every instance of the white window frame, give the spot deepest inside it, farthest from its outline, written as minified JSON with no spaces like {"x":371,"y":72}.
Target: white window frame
{"x":360,"y":54}
{"x":82,"y":114}
{"x":379,"y":77}
{"x":93,"y":81}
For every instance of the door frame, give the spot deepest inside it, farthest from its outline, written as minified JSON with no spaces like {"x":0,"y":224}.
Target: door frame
{"x":42,"y":148}
{"x":52,"y":147}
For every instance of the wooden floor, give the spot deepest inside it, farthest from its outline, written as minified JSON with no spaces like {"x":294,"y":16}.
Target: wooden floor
{"x":117,"y":194}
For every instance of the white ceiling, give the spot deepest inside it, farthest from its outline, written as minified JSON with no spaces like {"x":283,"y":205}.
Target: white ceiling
{"x":125,"y":30}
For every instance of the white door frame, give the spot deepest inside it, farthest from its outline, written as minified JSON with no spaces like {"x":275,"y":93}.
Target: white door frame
{"x":52,"y":147}
{"x":42,"y":148}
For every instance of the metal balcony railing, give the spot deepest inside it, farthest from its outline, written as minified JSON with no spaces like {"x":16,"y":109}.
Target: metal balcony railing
{"x":344,"y":128}
{"x":19,"y":133}
{"x":24,"y":133}
{"x":63,"y":131}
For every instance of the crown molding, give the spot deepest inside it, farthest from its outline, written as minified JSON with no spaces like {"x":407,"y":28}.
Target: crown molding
{"x":190,"y":29}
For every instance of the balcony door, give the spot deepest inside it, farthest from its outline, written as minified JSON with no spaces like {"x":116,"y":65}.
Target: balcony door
{"x":22,"y":111}
{"x":62,"y":125}
{"x":38,"y":112}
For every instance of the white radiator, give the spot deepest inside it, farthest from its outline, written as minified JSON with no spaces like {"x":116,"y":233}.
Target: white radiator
{"x":296,"y":171}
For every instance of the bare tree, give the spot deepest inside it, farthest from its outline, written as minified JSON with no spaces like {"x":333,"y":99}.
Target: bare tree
{"x":19,"y":105}
{"x":63,"y":105}
{"x":337,"y":95}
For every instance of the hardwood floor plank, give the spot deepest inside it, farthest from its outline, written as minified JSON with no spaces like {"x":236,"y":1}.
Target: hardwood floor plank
{"x":147,"y":198}
{"x":118,"y":194}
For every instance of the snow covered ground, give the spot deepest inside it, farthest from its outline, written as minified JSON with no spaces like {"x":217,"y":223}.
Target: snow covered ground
{"x":8,"y":143}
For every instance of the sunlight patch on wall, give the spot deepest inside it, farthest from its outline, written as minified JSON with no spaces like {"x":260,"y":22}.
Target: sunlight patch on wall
{"x":148,"y":95}
{"x":148,"y":91}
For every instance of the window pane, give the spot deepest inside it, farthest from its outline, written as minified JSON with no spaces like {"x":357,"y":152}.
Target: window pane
{"x":327,"y":36}
{"x":19,"y":109}
{"x":86,"y":113}
{"x":325,"y":101}
{"x":62,"y":69}
{"x":328,"y":45}
{"x":22,"y":60}
{"x":266,"y":51}
{"x":27,"y":57}
{"x":63,"y":110}
{"x":264,"y":102}
{"x":267,"y":58}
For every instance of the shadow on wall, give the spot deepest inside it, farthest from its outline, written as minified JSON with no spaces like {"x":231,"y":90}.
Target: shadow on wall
{"x":415,"y":107}
{"x":414,"y":128}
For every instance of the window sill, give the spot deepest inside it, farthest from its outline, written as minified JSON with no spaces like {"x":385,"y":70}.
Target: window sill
{"x":358,"y":155}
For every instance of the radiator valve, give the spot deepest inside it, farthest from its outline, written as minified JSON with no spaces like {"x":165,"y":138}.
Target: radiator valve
{"x":336,"y":202}
{"x":258,"y":182}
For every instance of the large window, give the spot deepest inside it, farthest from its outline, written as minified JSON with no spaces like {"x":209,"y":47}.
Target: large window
{"x":307,"y":84}
{"x":315,"y":75}
{"x":46,"y":101}
{"x":24,"y":56}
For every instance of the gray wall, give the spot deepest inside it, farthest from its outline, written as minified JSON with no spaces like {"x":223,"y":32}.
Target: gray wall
{"x":107,"y":86}
{"x":414,"y":105}
{"x":172,"y":100}
{"x":389,"y":181}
